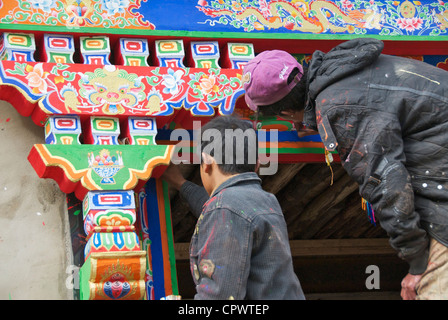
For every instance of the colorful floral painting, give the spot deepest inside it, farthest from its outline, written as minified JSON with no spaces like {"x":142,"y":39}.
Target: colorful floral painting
{"x":76,"y":13}
{"x":130,"y":91}
{"x":344,"y":16}
{"x":384,"y":18}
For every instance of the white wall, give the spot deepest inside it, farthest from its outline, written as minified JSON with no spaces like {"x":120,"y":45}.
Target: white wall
{"x":35,"y":247}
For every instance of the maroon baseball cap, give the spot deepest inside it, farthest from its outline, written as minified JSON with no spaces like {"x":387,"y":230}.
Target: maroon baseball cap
{"x":265,"y":77}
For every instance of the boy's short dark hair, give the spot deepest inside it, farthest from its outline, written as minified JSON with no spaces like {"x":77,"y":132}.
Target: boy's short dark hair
{"x":239,"y":144}
{"x":294,"y":100}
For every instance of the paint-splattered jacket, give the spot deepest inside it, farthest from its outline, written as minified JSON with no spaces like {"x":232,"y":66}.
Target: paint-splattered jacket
{"x":240,"y":247}
{"x":388,"y":119}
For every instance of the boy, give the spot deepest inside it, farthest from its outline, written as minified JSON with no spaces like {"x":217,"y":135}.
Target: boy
{"x":240,"y":247}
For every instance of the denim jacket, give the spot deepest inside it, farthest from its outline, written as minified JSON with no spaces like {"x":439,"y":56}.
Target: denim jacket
{"x":240,"y":247}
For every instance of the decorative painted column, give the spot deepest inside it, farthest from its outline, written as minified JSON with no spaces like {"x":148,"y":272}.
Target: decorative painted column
{"x":100,"y":124}
{"x":59,"y":48}
{"x":205,"y":54}
{"x":170,"y":53}
{"x":95,"y":50}
{"x":17,"y":47}
{"x":133,"y":52}
{"x":238,"y":54}
{"x":115,"y":266}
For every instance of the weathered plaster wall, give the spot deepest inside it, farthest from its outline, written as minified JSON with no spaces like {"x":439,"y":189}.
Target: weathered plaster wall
{"x":35,"y":245}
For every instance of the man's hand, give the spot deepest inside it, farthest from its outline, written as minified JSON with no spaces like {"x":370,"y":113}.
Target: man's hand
{"x":173,"y":176}
{"x":297,"y":117}
{"x":408,"y":286}
{"x":303,"y":131}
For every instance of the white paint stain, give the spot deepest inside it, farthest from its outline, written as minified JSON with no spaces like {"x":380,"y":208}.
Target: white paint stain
{"x":419,"y":75}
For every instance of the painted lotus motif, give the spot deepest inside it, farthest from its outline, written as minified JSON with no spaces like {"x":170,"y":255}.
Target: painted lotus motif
{"x":37,"y":78}
{"x":410,"y":24}
{"x":172,"y":81}
{"x":207,"y":84}
{"x":44,"y":5}
{"x":114,"y":6}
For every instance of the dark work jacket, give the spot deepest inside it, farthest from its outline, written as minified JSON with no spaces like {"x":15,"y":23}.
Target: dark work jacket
{"x":387,"y":117}
{"x":240,"y":247}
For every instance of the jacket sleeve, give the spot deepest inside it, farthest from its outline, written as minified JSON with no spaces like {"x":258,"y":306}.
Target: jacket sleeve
{"x":195,"y":195}
{"x":223,"y":255}
{"x":371,"y":148}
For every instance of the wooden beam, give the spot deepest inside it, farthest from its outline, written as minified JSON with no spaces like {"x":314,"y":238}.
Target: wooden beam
{"x":370,"y":295}
{"x":341,"y":247}
{"x":182,"y":251}
{"x":282,"y":177}
{"x":320,"y":248}
{"x":324,"y":207}
{"x":356,"y":218}
{"x":312,"y":180}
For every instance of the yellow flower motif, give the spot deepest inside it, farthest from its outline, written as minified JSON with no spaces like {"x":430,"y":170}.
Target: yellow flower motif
{"x":236,"y":6}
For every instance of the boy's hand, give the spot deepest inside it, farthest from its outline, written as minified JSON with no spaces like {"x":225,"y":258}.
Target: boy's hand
{"x":173,"y":176}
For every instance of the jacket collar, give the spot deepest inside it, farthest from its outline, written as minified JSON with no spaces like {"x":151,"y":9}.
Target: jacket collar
{"x":246,"y":177}
{"x":309,"y":116}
